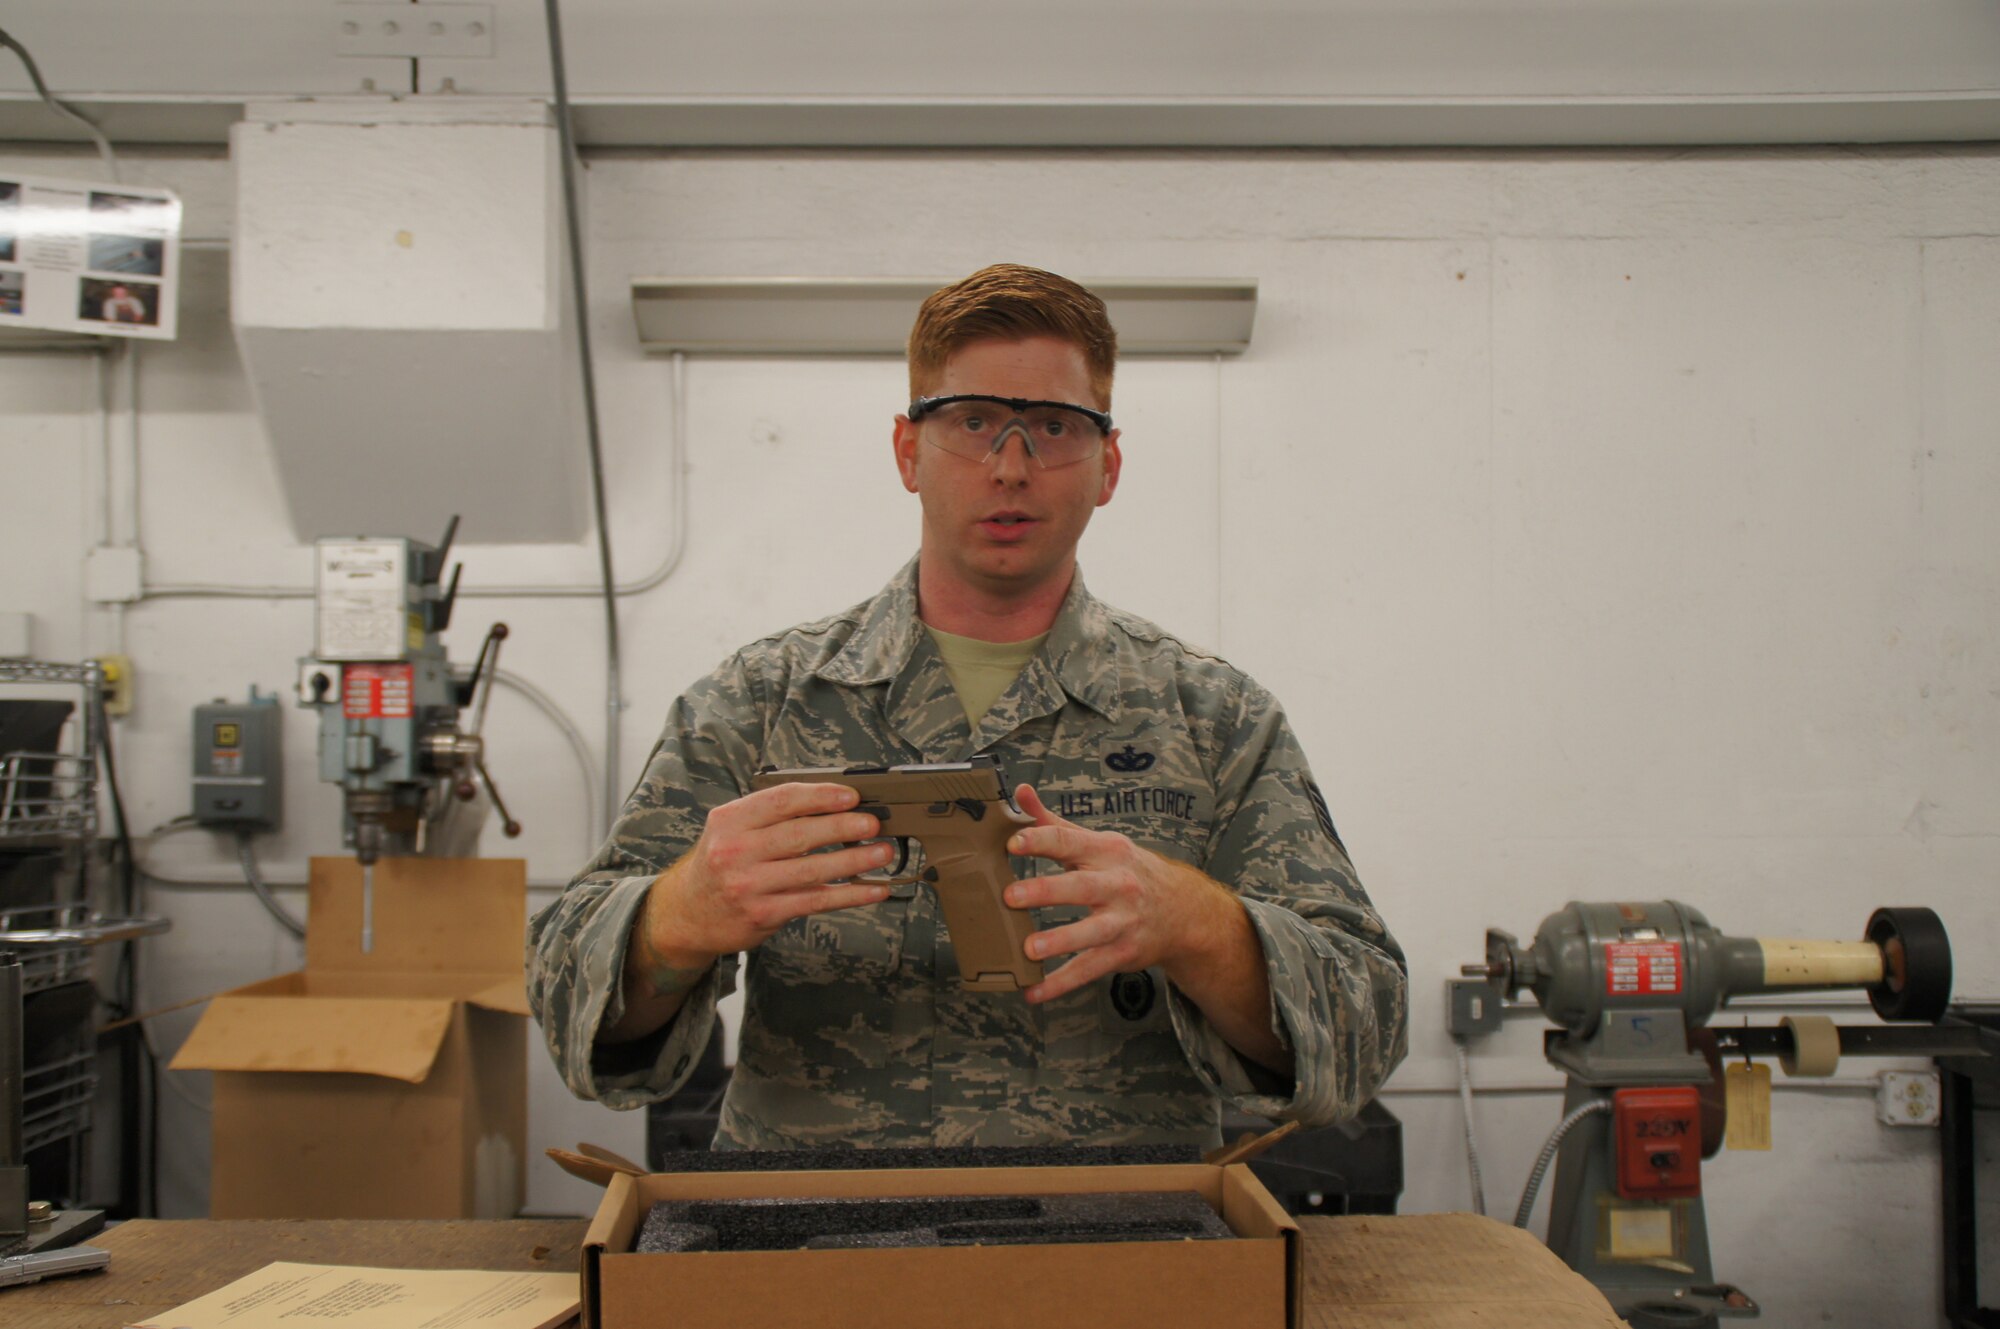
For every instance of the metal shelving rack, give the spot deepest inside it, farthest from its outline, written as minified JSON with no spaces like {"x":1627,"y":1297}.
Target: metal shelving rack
{"x":48,"y":828}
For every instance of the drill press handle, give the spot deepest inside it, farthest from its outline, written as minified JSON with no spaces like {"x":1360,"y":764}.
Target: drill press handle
{"x":468,"y":747}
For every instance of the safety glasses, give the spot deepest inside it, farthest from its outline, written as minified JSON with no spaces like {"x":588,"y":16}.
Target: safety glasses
{"x":975,"y":426}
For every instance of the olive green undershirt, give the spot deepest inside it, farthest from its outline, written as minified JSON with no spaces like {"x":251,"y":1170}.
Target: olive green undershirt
{"x":982,"y":670}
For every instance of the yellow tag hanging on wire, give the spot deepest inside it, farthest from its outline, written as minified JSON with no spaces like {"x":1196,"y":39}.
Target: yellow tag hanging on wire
{"x":1747,"y":1096}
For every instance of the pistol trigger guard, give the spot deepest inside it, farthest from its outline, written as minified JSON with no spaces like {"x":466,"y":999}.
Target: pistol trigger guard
{"x":889,"y":876}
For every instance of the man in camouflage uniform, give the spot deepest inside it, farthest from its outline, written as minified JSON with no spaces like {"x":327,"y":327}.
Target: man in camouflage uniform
{"x":1210,"y":937}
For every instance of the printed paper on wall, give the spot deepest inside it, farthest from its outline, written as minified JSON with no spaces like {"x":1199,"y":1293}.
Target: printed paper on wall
{"x":77,"y":256}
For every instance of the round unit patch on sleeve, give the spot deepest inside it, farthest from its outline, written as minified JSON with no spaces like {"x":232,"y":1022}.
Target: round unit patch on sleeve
{"x":1132,"y":994}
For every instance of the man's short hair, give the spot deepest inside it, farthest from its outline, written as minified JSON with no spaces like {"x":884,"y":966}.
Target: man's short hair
{"x":1009,"y":302}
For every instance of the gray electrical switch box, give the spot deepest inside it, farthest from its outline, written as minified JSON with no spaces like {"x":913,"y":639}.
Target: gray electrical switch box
{"x":238,"y":766}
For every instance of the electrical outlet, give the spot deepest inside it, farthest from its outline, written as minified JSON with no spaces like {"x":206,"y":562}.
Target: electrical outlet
{"x":1907,"y":1098}
{"x":117,"y":671}
{"x":1472,"y":1008}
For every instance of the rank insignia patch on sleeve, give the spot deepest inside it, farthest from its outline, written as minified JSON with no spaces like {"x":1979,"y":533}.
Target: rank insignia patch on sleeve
{"x":1324,"y":817}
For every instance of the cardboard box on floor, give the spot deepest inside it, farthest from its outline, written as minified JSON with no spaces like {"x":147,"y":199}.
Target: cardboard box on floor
{"x":390,"y":1083}
{"x":1251,"y":1282}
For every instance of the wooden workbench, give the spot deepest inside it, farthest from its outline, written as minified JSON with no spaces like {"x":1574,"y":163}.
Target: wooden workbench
{"x":1422,"y":1271}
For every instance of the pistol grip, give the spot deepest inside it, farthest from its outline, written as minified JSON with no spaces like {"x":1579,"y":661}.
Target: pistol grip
{"x":986,"y":932}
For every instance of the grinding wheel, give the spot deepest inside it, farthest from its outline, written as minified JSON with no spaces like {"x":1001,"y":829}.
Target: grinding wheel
{"x":1916,"y":964}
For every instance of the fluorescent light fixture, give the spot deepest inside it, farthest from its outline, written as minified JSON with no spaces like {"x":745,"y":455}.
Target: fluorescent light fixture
{"x":872,"y":315}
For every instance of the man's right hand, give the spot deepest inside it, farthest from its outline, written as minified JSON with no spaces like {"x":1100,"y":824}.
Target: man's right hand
{"x":753,"y":870}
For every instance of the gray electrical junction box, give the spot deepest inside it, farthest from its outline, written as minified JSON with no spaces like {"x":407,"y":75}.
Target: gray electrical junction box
{"x":238,"y":766}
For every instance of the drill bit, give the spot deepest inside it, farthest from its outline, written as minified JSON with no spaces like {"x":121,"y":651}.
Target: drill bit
{"x":367,"y":907}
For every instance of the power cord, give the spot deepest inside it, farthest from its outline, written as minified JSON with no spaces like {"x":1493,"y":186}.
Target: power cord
{"x":139,"y":1068}
{"x":1471,"y":1144}
{"x":594,"y":826}
{"x":61,"y":108}
{"x":573,"y":217}
{"x":248,"y":856}
{"x":1564,"y":1127}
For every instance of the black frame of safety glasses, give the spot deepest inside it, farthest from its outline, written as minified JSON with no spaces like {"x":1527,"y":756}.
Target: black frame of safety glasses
{"x":923,"y":406}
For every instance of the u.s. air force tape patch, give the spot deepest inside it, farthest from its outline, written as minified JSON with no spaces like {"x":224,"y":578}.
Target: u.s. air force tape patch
{"x":1320,"y":812}
{"x":1113,"y":800}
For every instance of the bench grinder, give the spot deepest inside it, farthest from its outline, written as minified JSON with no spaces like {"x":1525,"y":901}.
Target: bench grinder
{"x":1632,"y":987}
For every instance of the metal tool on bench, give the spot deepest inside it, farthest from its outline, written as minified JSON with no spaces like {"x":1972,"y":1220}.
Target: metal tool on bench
{"x":390,"y":704}
{"x":1632,"y":987}
{"x":36,"y":1241}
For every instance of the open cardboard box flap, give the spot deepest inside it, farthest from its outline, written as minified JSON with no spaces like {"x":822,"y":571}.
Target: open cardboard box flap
{"x":594,"y":1164}
{"x":508,"y":996}
{"x":445,"y":931}
{"x":1441,"y":1271}
{"x":259,"y":1029}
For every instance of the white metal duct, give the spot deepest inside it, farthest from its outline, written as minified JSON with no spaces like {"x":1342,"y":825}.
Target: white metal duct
{"x":398,"y":299}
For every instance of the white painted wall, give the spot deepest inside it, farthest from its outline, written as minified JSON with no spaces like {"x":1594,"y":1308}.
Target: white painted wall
{"x":1615,"y":525}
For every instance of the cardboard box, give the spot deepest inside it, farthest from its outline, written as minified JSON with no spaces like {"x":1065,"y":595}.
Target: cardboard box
{"x":1250,"y":1282}
{"x":390,"y":1083}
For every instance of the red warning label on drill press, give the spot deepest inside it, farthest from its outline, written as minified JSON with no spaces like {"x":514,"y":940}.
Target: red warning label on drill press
{"x":377,"y":691}
{"x":1642,"y":968}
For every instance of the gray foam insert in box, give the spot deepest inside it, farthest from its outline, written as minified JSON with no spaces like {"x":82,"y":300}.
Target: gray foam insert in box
{"x":846,"y":1158}
{"x":954,"y":1220}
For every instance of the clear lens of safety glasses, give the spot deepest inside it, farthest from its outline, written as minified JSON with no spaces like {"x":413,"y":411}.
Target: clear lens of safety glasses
{"x":976,"y":427}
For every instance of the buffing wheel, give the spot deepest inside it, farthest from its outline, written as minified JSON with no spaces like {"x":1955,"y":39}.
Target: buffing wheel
{"x":1815,"y":1045}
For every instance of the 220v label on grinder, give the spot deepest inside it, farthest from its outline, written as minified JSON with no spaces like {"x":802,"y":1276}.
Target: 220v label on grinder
{"x":1642,"y":968}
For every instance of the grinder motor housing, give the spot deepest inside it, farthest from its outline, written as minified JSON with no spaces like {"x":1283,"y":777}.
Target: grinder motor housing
{"x":1631,"y":987}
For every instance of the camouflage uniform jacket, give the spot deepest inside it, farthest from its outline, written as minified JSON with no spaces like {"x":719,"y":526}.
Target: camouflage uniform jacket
{"x":855,"y":1030}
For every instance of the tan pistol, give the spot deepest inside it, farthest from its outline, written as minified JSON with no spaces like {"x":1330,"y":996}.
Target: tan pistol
{"x":962,"y":815}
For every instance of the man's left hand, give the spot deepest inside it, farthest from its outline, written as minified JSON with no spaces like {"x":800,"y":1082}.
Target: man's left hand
{"x":1145,"y":909}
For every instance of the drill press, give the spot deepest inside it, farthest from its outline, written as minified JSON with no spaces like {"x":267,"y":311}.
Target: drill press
{"x":390,"y":704}
{"x":1631,"y":987}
